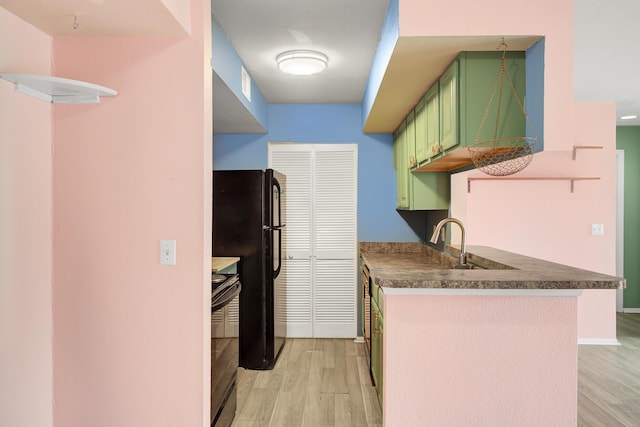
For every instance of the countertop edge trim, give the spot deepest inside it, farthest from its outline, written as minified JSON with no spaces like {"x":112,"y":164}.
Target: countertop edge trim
{"x":485,"y":292}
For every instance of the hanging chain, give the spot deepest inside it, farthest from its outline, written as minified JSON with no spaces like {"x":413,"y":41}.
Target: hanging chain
{"x":500,"y":78}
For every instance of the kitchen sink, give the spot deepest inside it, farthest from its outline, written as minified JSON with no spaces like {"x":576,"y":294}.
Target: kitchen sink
{"x":449,"y":260}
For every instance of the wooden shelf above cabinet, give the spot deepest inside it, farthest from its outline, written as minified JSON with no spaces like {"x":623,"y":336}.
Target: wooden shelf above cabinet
{"x":562,"y":178}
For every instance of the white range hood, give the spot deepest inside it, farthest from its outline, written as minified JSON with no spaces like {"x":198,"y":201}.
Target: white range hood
{"x":58,"y":90}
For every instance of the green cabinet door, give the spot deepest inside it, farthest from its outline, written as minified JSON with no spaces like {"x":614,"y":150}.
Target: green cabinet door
{"x":410,"y":140}
{"x":449,"y":108}
{"x":432,"y":107}
{"x":427,"y":119}
{"x":399,"y":160}
{"x":421,"y":130}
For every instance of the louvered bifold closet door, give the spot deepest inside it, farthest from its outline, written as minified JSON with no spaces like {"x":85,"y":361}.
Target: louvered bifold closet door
{"x":334,"y":249}
{"x":321,"y":237}
{"x":295,"y":162}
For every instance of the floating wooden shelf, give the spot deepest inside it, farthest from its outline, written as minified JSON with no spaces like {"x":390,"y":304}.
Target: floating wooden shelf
{"x":58,"y":90}
{"x":584,"y":147}
{"x":531,"y":178}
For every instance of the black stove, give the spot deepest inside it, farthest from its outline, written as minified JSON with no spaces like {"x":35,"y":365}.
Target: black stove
{"x":224,"y":354}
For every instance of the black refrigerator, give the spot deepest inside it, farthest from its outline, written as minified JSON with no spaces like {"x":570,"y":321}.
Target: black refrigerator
{"x":249,"y":222}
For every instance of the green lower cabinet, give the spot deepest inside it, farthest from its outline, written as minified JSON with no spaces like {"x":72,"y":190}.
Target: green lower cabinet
{"x":377,"y":330}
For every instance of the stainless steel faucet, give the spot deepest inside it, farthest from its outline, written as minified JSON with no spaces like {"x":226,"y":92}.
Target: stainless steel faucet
{"x":436,"y":233}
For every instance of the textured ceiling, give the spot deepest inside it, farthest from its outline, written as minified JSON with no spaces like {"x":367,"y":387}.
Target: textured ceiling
{"x":347,"y":31}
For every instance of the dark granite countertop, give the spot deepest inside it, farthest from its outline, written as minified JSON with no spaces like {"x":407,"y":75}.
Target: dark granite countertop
{"x":415,"y":265}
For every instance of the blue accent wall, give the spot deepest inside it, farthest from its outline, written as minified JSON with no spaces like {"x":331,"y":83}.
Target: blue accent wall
{"x":227,"y":64}
{"x":328,"y":124}
{"x":534,"y":102}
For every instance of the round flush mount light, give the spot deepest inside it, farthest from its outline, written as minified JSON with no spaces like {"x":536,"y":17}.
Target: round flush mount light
{"x":630,"y":117}
{"x":302,"y":62}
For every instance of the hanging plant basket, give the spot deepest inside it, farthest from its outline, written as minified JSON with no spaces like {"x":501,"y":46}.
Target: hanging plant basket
{"x":503,"y":156}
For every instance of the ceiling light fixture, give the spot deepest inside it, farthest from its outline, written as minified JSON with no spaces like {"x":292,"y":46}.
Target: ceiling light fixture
{"x":628,"y":117}
{"x":302,"y":62}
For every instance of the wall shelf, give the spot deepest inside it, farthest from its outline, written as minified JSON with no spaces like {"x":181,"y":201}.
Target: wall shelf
{"x":563,"y":178}
{"x":584,"y":147}
{"x":58,"y":90}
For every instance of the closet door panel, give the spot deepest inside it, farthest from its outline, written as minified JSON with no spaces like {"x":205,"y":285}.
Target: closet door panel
{"x":335,"y":241}
{"x":294,"y":161}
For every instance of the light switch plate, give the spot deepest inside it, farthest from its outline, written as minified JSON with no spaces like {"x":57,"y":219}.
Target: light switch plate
{"x":167,"y":252}
{"x":597,"y":229}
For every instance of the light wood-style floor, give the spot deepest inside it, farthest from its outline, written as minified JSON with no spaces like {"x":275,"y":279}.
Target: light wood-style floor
{"x":319,"y":382}
{"x":609,"y":378}
{"x":316,"y":382}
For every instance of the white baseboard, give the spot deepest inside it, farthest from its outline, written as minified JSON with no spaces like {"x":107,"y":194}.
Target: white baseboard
{"x":598,"y":341}
{"x":358,"y":339}
{"x":631,"y":310}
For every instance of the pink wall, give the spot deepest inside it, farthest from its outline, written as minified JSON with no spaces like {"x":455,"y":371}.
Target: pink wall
{"x":181,"y":11}
{"x":550,"y":18}
{"x":480,"y":360}
{"x":26,"y":384}
{"x":545,"y":220}
{"x":131,"y":336}
{"x":540,"y":219}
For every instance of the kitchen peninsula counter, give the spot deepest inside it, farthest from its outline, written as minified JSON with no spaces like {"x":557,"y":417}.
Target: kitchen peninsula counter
{"x":494,"y":346}
{"x":417,"y":268}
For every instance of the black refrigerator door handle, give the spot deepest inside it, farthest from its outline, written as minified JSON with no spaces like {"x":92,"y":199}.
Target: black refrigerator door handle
{"x":275,"y":227}
{"x":276,"y":273}
{"x":272,"y":230}
{"x":278,"y":228}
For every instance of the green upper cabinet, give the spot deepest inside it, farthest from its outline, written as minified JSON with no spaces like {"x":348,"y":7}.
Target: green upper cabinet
{"x":434,"y":137}
{"x":416,"y":191}
{"x":462,"y":95}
